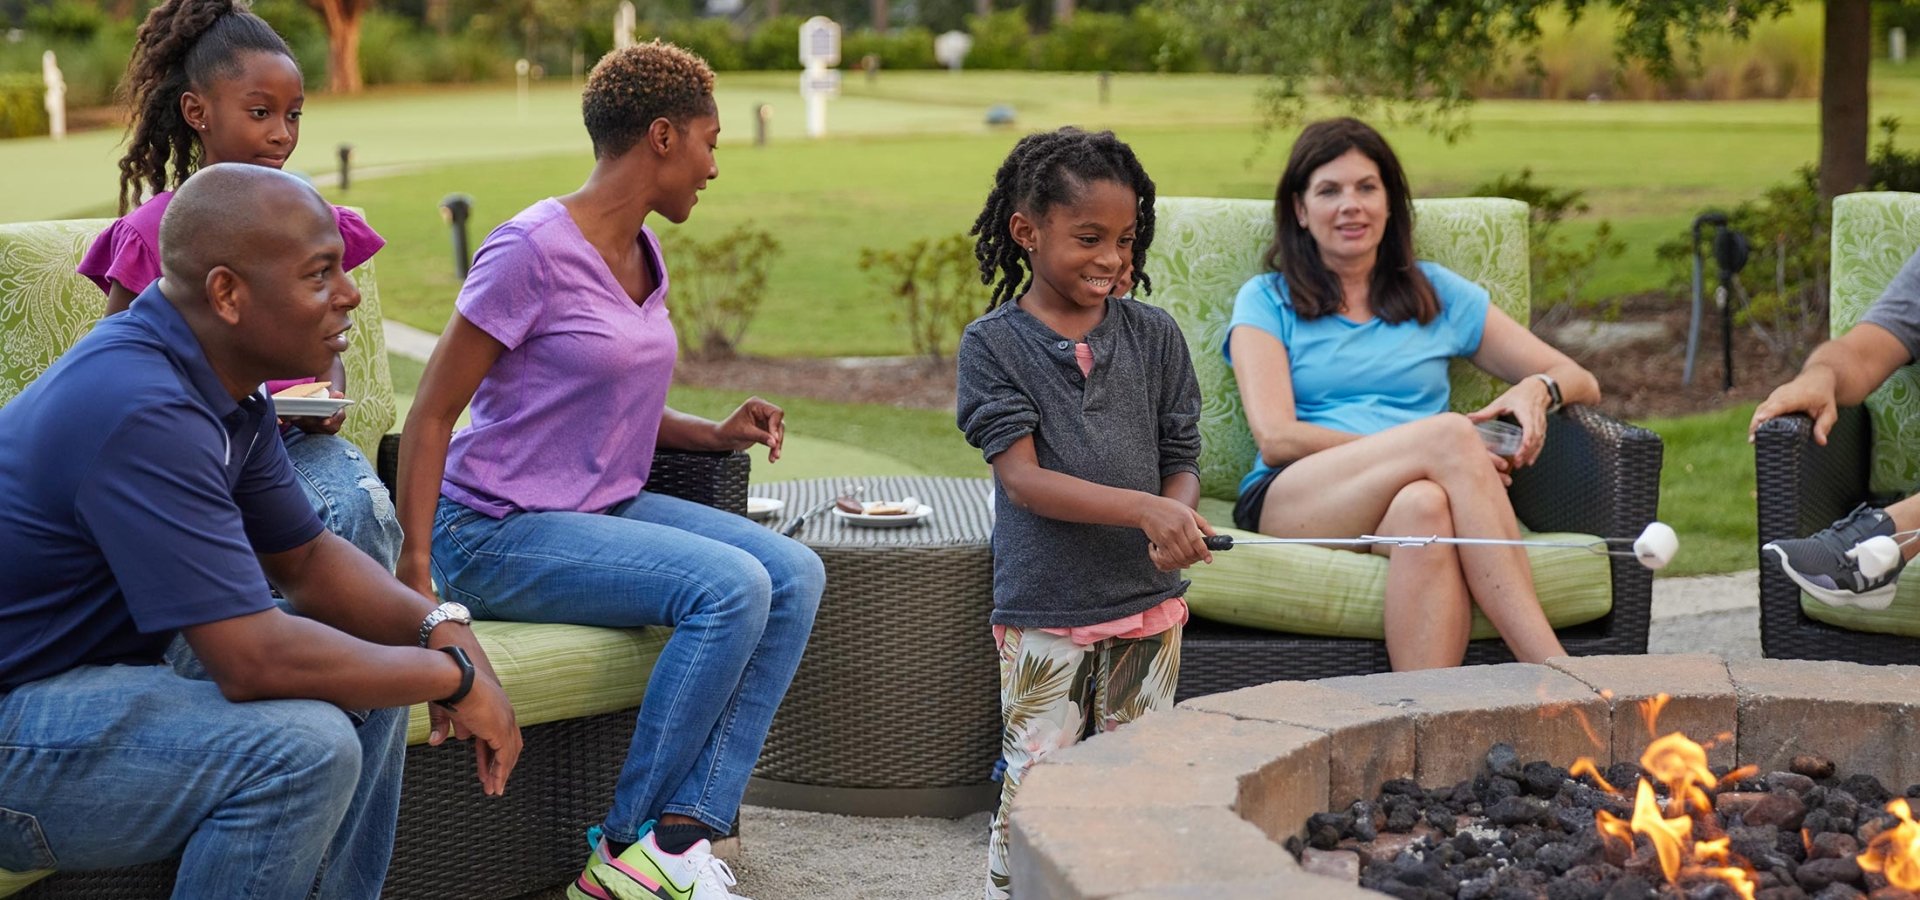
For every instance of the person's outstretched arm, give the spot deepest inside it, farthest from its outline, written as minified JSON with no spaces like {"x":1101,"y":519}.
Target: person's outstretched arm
{"x":1840,"y":372}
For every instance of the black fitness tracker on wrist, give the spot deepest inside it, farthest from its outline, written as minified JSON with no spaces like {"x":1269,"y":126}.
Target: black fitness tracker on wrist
{"x":466,"y":676}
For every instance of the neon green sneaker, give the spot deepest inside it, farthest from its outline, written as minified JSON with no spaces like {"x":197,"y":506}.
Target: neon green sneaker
{"x":646,"y":872}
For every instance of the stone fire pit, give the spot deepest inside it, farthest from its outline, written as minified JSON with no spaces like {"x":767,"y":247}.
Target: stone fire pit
{"x":1195,"y":802}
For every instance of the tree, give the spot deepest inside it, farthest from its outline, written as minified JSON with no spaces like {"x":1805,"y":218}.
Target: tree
{"x":343,"y":42}
{"x":1416,"y":59}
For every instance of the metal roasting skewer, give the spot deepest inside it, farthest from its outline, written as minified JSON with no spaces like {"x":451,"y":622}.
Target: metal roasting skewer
{"x":1654,"y":548}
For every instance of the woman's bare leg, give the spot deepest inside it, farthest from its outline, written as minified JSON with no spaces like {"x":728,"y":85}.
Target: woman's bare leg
{"x":1346,"y":491}
{"x":1428,"y":611}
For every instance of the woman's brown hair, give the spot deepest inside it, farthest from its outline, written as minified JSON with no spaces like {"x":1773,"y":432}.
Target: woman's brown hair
{"x":1399,"y":290}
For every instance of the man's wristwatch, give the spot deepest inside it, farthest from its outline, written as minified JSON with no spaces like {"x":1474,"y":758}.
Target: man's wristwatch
{"x":1553,"y":391}
{"x":445,"y":612}
{"x":466,"y":676}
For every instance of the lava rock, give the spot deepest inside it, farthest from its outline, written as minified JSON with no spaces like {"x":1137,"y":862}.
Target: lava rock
{"x":1781,"y":810}
{"x":1402,"y":815}
{"x":1835,"y":846}
{"x":1783,"y":892}
{"x":1518,"y":811}
{"x":1442,"y":820}
{"x":1630,"y":887}
{"x":1582,"y":883}
{"x":1751,"y":842}
{"x":1812,"y":766}
{"x":1841,"y":805}
{"x":1838,"y":892}
{"x":1497,"y":788}
{"x":1405,"y":787}
{"x":1502,"y":760}
{"x":1573,"y":820}
{"x":1816,"y":874}
{"x":1543,"y":779}
{"x":1866,"y":789}
{"x":1567,"y":856}
{"x":1324,"y":830}
{"x":1791,"y":782}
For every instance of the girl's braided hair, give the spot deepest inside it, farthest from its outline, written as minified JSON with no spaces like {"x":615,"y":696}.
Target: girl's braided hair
{"x":1043,"y":171}
{"x":183,"y":45}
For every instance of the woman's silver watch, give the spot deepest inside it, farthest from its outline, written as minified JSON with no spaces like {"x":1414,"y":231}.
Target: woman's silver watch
{"x":1553,"y":391}
{"x":445,"y":612}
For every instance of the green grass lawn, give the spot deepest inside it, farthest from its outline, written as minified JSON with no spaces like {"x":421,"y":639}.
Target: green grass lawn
{"x":1707,"y":491}
{"x":909,"y":157}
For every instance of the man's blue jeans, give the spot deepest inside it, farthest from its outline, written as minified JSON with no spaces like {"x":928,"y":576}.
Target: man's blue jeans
{"x":344,"y":490}
{"x":740,"y":600}
{"x":105,"y":766}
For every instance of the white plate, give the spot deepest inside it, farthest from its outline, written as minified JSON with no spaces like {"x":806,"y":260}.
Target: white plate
{"x":309,"y":406}
{"x":865,"y":521}
{"x":762,"y":507}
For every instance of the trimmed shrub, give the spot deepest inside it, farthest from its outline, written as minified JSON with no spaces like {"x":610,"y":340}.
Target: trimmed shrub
{"x":23,"y":112}
{"x":714,"y":39}
{"x":718,"y":286}
{"x":901,"y":48}
{"x":775,"y":45}
{"x":1000,"y":41}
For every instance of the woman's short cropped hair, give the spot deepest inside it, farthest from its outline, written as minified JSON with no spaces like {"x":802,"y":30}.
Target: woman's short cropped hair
{"x":629,"y":89}
{"x":1399,"y":290}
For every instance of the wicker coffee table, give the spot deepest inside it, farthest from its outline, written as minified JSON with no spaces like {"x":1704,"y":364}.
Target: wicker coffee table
{"x":895,"y":709}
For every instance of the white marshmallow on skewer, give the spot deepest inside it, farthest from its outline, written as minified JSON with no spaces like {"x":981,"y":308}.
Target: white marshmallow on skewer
{"x":1876,"y":555}
{"x":1655,"y":546}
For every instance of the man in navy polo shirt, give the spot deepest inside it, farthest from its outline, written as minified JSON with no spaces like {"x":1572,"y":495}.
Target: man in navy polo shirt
{"x":146,"y":495}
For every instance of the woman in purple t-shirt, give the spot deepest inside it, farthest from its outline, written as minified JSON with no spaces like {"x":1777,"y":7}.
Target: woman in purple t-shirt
{"x":211,"y":83}
{"x":538,"y":511}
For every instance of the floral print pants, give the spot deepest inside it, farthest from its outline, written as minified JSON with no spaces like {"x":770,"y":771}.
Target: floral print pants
{"x":1053,"y":692}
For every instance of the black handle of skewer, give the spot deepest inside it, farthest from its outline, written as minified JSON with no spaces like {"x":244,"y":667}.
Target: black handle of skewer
{"x":1219,"y":542}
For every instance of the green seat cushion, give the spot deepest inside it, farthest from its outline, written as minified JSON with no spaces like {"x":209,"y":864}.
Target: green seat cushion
{"x":1873,"y":235}
{"x":554,"y":672}
{"x":1902,"y":617}
{"x":14,"y":882}
{"x":45,"y":307}
{"x":1309,"y":590}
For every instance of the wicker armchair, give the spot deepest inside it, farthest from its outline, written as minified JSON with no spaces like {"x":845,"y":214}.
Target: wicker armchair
{"x":1597,"y":476}
{"x":575,"y":690}
{"x":1869,"y":456}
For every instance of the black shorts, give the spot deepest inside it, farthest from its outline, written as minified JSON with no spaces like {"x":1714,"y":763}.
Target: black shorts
{"x":1246,"y":510}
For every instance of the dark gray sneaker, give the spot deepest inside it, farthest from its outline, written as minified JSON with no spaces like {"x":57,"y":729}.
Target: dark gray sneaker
{"x":1819,"y":563}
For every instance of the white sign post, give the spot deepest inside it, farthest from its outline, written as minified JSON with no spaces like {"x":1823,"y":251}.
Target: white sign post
{"x":56,"y":98}
{"x":819,"y":80}
{"x":623,"y":24}
{"x":1896,"y":44}
{"x":950,"y":49}
{"x":522,"y":70}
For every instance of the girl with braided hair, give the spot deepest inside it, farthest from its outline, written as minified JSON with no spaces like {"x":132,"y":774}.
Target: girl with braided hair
{"x":1085,"y":403}
{"x":210,"y":82}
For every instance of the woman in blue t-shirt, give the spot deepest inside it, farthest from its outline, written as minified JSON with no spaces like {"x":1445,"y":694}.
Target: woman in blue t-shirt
{"x":1341,"y":354}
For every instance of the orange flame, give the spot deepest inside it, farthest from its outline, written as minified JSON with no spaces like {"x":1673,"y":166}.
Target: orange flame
{"x":1895,"y":852}
{"x":1584,"y":766}
{"x":1681,"y":765}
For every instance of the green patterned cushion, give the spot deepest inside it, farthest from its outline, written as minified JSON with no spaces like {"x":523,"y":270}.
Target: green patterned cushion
{"x":554,"y":672}
{"x":1336,"y":593}
{"x":45,"y":307}
{"x":1873,"y":235}
{"x":1205,"y":248}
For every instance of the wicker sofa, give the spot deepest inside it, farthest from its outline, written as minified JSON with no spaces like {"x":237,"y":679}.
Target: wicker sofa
{"x":1872,"y":455}
{"x":1300,"y":612}
{"x":575,"y":690}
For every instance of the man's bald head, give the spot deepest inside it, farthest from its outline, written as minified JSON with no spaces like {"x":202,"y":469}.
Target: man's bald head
{"x":236,"y":215}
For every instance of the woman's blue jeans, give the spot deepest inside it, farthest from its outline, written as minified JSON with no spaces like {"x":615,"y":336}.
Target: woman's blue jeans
{"x":740,"y":600}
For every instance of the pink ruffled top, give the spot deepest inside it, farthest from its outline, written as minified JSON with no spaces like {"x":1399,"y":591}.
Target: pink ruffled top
{"x":128,"y":252}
